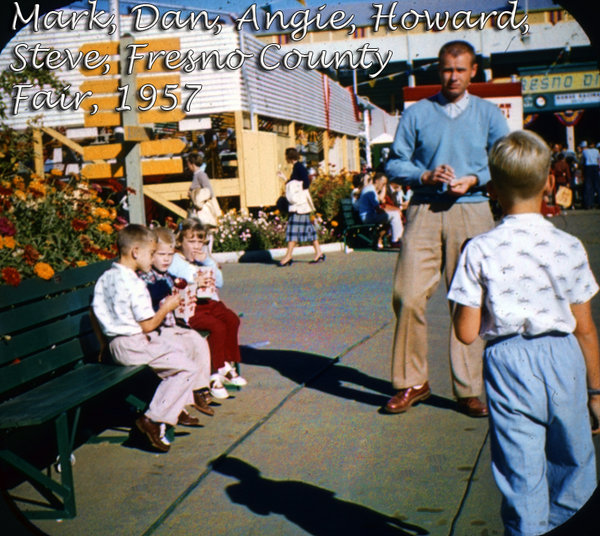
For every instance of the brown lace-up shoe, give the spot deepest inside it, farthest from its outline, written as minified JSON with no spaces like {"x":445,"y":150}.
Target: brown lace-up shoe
{"x":185,"y":419}
{"x":151,"y":430}
{"x":472,"y":406}
{"x":405,"y":398}
{"x":201,"y":403}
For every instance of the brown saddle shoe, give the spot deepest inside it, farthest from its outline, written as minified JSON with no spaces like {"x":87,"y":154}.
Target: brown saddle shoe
{"x":201,"y":402}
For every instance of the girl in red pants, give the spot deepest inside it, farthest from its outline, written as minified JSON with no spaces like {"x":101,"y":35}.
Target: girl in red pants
{"x":193,"y":263}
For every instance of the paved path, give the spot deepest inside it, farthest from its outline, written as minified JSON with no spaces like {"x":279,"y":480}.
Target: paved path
{"x":303,"y":449}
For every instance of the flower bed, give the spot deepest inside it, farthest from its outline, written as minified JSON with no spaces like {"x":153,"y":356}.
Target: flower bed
{"x":50,"y":224}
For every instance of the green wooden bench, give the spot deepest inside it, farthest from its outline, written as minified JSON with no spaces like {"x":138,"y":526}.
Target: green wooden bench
{"x":355,"y":231}
{"x":50,"y":367}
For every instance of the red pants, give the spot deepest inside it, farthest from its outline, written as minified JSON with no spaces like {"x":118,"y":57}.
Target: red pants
{"x":223,"y":324}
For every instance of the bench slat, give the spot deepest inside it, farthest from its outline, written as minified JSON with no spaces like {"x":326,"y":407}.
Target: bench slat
{"x":18,"y":318}
{"x":45,"y":336}
{"x":33,"y":289}
{"x":61,"y":394}
{"x":38,"y":365}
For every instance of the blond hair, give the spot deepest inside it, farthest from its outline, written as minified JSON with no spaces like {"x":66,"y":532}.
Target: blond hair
{"x":519,"y":164}
{"x":133,"y":235}
{"x":164,"y":235}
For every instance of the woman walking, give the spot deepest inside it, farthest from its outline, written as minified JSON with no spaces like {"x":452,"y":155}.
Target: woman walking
{"x":299,"y":227}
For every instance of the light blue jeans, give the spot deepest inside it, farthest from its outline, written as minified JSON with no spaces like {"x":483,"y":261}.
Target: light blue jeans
{"x":542,"y":453}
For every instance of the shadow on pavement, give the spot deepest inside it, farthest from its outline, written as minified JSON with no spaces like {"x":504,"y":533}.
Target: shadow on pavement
{"x":316,"y":510}
{"x":302,"y":367}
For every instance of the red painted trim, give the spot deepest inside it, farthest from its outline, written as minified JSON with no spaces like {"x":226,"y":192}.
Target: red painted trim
{"x":481,"y":89}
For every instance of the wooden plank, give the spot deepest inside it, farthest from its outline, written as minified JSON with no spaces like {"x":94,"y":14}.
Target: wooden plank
{"x":26,"y":316}
{"x":164,"y":202}
{"x":102,"y":119}
{"x":32,"y":289}
{"x":156,"y":166}
{"x":226,"y":187}
{"x":99,"y":71}
{"x":135,"y":133}
{"x":63,"y":139}
{"x":160,"y":116}
{"x":149,"y":148}
{"x":175,"y":191}
{"x":108,"y":85}
{"x":112,"y":47}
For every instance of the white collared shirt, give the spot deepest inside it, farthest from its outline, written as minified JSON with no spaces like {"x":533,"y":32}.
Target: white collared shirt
{"x":121,"y":301}
{"x":524,"y":274}
{"x":454,"y":109}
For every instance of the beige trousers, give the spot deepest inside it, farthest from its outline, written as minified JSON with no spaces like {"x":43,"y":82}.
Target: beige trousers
{"x":431,"y":245}
{"x":175,"y":357}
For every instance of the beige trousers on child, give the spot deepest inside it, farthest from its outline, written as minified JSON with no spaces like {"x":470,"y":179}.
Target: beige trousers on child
{"x":431,"y":244}
{"x":168,"y":358}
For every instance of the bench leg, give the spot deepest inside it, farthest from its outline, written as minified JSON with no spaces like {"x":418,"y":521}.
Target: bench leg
{"x":65,"y":447}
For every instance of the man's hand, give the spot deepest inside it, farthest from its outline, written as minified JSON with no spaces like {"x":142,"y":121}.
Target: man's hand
{"x":441,"y":174}
{"x":461,"y":186}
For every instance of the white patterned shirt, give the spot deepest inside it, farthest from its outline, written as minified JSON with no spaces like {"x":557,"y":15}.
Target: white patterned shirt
{"x":121,"y":301}
{"x":524,"y":274}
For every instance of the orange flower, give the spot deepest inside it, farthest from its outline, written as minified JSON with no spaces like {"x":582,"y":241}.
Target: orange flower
{"x":37,"y":188}
{"x":81,"y":263}
{"x":9,"y":242}
{"x":11,"y":276}
{"x":102,"y":213}
{"x":43,"y":270}
{"x":105,"y":228}
{"x":21,"y":195}
{"x":79,"y":225}
{"x":19,"y":183}
{"x":56,"y":172}
{"x":334,"y":223}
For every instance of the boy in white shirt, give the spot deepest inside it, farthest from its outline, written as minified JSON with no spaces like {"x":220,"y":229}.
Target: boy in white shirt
{"x":525,"y":287}
{"x":124,"y":311}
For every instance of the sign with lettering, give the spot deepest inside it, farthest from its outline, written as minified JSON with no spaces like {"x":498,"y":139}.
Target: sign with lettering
{"x":559,"y":82}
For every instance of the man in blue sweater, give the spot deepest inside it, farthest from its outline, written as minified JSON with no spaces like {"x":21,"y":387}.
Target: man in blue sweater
{"x":441,"y":152}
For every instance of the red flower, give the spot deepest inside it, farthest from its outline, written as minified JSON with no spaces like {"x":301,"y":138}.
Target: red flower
{"x":5,"y":191}
{"x":11,"y":276}
{"x":114,"y":185}
{"x":79,"y":225}
{"x":7,"y":228}
{"x":31,"y":255}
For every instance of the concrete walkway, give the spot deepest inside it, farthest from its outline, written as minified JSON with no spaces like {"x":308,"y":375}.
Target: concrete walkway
{"x":303,"y":449}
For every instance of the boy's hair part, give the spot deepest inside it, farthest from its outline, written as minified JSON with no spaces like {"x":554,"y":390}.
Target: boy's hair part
{"x":133,"y":235}
{"x":519,"y":164}
{"x":190,"y":224}
{"x":164,"y":235}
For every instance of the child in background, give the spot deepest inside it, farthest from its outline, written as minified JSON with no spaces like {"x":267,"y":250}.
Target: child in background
{"x":525,"y":287}
{"x":123,"y":308}
{"x":161,"y":285}
{"x":210,"y":313}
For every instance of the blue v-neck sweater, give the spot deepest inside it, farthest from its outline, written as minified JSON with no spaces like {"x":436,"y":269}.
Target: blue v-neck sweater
{"x":427,"y":137}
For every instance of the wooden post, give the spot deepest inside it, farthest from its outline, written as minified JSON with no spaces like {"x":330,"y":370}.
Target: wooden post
{"x":133,"y":155}
{"x":239,"y":136}
{"x":326,"y":151}
{"x":345,"y":163}
{"x":38,"y":152}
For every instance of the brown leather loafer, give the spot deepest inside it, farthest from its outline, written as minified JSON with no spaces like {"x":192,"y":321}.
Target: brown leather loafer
{"x":405,"y":398}
{"x":151,"y":430}
{"x":201,"y":404}
{"x":472,"y":406}
{"x":185,"y":419}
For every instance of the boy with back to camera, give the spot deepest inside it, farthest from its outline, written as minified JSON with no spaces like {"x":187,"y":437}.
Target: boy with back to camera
{"x":124,"y":311}
{"x":525,"y":287}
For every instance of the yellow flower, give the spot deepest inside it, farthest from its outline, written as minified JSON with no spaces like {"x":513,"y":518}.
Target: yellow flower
{"x":334,"y":223}
{"x":56,"y":172}
{"x":37,"y":187}
{"x":105,"y":228}
{"x":19,"y":182}
{"x":43,"y":270}
{"x":81,"y":263}
{"x":9,"y":242}
{"x":21,"y":195}
{"x":101,"y":212}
